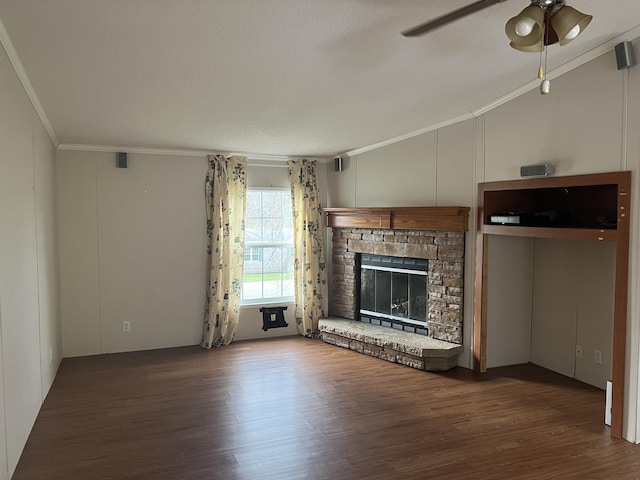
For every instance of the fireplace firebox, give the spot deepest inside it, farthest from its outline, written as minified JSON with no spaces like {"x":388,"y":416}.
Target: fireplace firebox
{"x":394,"y":292}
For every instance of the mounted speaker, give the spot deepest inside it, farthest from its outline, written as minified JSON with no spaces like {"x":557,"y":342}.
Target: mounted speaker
{"x":121,"y":160}
{"x":338,"y":164}
{"x":625,"y":55}
{"x":538,"y":170}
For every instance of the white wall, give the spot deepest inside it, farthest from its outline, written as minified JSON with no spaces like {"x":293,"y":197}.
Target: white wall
{"x":586,"y":125}
{"x":594,"y":329}
{"x":133,"y":247}
{"x":509,"y":287}
{"x":151,"y":264}
{"x":30,"y":349}
{"x":578,"y":127}
{"x":78,"y":229}
{"x":555,"y":305}
{"x":48,"y":259}
{"x":545,"y":297}
{"x":408,"y":167}
{"x":575,"y":309}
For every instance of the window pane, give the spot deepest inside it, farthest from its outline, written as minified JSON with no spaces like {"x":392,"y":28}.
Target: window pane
{"x":272,"y":285}
{"x":268,"y":269}
{"x":418,"y":297}
{"x":253,"y":203}
{"x":272,"y":230}
{"x":272,"y":260}
{"x":399,"y":294}
{"x":252,"y":230}
{"x":272,"y":204}
{"x":367,"y":290}
{"x":383,"y":292}
{"x":269,"y":274}
{"x":252,"y":286}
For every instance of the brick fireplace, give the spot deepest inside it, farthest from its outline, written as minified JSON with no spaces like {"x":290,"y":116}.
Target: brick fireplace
{"x":432,"y":233}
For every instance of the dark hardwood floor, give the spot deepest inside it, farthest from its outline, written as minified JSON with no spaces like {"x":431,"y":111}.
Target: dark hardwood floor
{"x":296,"y":408}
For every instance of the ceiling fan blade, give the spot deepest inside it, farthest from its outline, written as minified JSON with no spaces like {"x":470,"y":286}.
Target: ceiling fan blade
{"x":450,"y":17}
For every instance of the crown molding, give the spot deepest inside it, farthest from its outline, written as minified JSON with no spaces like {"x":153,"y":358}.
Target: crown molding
{"x":409,"y":135}
{"x":10,"y":50}
{"x":142,"y":150}
{"x":255,"y":158}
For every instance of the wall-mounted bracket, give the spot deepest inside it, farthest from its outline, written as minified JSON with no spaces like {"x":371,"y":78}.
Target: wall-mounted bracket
{"x":273,"y":317}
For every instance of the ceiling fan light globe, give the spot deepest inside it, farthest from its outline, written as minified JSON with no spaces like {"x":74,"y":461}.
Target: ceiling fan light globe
{"x":532,"y":16}
{"x":524,"y":26}
{"x":573,"y":33}
{"x":568,"y":23}
{"x":530,"y":48}
{"x":535,"y":37}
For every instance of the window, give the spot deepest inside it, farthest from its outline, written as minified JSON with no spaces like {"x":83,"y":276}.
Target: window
{"x":268,"y":255}
{"x":252,"y":254}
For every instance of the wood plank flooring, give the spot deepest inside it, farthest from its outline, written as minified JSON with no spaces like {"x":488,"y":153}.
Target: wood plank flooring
{"x":296,"y":408}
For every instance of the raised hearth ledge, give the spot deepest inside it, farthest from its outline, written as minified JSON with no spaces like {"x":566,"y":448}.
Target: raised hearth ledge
{"x":452,"y":219}
{"x":410,"y":349}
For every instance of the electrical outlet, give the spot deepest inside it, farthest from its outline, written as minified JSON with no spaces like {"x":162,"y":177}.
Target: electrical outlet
{"x":579,"y":351}
{"x":126,"y":326}
{"x":597,"y":356}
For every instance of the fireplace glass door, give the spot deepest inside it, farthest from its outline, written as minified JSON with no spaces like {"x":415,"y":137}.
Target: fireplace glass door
{"x":394,"y":289}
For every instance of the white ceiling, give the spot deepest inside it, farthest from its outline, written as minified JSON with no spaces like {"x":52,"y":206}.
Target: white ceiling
{"x":280,"y":77}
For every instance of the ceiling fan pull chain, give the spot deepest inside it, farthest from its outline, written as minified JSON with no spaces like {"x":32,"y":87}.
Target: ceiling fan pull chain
{"x":540,"y":69}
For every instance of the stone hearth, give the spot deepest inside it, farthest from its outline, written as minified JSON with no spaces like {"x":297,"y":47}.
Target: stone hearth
{"x":416,"y":351}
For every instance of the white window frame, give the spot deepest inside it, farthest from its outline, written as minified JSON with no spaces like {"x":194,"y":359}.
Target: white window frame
{"x":250,"y":252}
{"x":270,"y":300}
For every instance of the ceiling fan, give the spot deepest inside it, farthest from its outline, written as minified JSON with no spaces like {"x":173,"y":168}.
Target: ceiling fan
{"x":542,"y":23}
{"x":450,"y":17}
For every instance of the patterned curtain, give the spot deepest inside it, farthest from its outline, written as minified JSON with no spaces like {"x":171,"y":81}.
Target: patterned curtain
{"x":225,"y":191}
{"x":310,"y":275}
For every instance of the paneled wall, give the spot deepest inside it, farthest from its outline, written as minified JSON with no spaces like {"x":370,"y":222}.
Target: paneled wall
{"x":30,"y":346}
{"x":544,"y":297}
{"x":133,"y":247}
{"x":578,"y":127}
{"x":509,"y":301}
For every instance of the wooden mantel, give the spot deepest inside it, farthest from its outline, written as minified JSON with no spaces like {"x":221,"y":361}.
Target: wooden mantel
{"x":451,"y":219}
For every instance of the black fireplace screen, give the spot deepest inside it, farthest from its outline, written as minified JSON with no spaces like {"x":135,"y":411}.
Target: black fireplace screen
{"x":394,"y":288}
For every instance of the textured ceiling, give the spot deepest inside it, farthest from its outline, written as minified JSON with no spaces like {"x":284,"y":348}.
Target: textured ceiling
{"x":281,"y":77}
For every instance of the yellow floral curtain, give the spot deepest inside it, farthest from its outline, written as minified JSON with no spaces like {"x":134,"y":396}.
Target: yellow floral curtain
{"x":225,"y":191}
{"x":310,"y":274}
